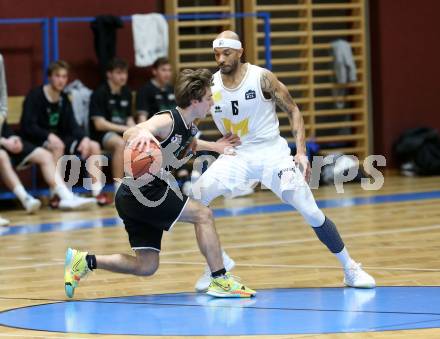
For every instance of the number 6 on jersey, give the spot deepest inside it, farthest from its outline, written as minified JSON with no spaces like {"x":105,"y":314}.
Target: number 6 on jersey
{"x":234,"y":104}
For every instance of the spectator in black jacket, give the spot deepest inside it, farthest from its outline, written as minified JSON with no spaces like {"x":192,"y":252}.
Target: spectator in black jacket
{"x":158,"y":93}
{"x":111,"y":114}
{"x":3,"y":111}
{"x":48,"y":121}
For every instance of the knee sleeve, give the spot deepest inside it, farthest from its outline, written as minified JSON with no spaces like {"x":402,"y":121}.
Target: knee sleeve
{"x":329,"y":236}
{"x":302,"y":200}
{"x":314,"y":217}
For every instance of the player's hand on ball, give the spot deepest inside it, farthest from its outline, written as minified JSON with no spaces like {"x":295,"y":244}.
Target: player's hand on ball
{"x":226,"y":144}
{"x":304,"y":165}
{"x":142,"y":141}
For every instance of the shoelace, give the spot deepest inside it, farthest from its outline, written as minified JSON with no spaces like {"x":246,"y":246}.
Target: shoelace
{"x":236,"y":279}
{"x":84,"y":273}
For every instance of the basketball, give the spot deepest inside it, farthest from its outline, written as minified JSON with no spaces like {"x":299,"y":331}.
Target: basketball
{"x":137,"y":163}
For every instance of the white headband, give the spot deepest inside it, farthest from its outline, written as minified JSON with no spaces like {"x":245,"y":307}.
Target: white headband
{"x":226,"y":43}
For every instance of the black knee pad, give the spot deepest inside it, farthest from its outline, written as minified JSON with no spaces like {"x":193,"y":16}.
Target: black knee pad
{"x":329,"y":236}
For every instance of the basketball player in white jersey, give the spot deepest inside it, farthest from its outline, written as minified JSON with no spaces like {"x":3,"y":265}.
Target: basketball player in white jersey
{"x":245,"y":98}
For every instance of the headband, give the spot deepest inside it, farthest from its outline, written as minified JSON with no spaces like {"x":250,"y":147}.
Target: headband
{"x":226,"y":43}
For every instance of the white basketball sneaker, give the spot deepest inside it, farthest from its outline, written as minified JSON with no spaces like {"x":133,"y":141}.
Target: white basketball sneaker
{"x":4,"y":222}
{"x":31,"y":204}
{"x":205,"y":280}
{"x":355,"y":276}
{"x":76,"y":203}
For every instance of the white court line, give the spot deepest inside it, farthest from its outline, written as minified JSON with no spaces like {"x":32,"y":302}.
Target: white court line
{"x":172,"y":262}
{"x":28,"y":266}
{"x":68,"y":335}
{"x":265,"y":244}
{"x":313,"y":238}
{"x":379,"y":268}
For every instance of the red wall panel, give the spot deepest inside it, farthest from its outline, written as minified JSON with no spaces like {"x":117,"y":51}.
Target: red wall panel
{"x":21,"y":44}
{"x":405,"y":57}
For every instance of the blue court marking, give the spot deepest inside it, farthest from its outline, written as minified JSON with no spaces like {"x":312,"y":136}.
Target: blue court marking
{"x":60,"y":226}
{"x":223,"y":212}
{"x":272,"y":311}
{"x":330,"y":203}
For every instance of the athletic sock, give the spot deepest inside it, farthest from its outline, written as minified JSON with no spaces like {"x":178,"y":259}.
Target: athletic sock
{"x":63,"y":192}
{"x":91,"y":261}
{"x":329,"y":235}
{"x":218,"y":273}
{"x":96,"y":188}
{"x":344,"y":258}
{"x":116,"y":185}
{"x":21,"y":193}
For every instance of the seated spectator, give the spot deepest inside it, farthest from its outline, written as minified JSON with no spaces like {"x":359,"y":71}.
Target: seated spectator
{"x":3,"y":111}
{"x":48,"y":121}
{"x":17,"y":153}
{"x":158,"y":93}
{"x":3,"y":93}
{"x":111,"y":114}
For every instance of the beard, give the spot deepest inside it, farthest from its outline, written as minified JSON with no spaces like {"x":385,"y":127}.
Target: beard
{"x":229,"y":69}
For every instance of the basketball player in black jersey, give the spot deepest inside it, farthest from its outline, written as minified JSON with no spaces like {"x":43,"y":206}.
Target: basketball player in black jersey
{"x":143,"y":222}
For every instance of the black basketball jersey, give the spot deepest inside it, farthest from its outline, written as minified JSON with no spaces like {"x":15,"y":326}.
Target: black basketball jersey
{"x":181,"y":134}
{"x":180,"y":137}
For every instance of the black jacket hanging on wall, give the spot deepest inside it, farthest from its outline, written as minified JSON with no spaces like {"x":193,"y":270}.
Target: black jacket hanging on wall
{"x":104,"y":29}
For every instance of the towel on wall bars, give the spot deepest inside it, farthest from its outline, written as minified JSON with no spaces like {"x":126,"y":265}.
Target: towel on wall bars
{"x":150,"y":36}
{"x":344,"y":67}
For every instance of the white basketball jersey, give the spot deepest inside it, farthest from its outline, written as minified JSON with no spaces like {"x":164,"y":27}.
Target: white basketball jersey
{"x":244,"y":110}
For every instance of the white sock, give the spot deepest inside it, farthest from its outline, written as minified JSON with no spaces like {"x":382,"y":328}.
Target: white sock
{"x":225,"y":256}
{"x":116,"y":184}
{"x":344,"y":258}
{"x":21,"y":193}
{"x":63,"y":192}
{"x":97,"y":188}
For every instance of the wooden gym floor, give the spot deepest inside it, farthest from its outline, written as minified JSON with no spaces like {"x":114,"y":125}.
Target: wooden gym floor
{"x":397,"y":241}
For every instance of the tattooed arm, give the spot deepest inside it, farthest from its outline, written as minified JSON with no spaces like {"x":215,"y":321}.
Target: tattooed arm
{"x":280,"y":95}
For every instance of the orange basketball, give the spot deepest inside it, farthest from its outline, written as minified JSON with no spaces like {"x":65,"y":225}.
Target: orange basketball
{"x":137,"y":163}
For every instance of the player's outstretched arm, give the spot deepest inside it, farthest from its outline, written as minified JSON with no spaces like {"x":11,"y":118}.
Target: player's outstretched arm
{"x":281,"y":96}
{"x":224,"y":145}
{"x":157,"y":127}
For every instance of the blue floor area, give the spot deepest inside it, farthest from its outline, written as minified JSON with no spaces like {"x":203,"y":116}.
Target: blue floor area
{"x":224,"y":212}
{"x":271,"y":312}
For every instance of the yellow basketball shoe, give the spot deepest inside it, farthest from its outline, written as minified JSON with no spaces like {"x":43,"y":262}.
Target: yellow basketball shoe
{"x":227,"y":286}
{"x":75,"y":268}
